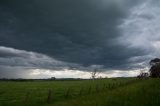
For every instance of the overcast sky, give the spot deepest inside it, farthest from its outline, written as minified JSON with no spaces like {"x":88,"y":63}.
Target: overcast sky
{"x":70,"y":38}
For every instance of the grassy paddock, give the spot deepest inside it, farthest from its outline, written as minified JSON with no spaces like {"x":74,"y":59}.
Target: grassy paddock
{"x":105,"y":92}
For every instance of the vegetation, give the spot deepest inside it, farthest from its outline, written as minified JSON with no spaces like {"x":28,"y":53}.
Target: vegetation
{"x":102,"y":92}
{"x":94,"y":74}
{"x":155,"y":68}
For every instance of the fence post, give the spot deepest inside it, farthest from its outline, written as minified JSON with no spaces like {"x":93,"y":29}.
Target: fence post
{"x":67,"y":93}
{"x":97,"y":89}
{"x":26,"y":98}
{"x":89,"y":90}
{"x":50,"y":96}
{"x":80,"y":92}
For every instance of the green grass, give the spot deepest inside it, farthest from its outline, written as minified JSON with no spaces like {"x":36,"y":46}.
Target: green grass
{"x":105,"y":92}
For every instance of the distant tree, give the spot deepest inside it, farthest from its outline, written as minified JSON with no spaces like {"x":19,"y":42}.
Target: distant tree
{"x":94,"y":74}
{"x":53,"y":78}
{"x":143,"y":75}
{"x":155,"y":68}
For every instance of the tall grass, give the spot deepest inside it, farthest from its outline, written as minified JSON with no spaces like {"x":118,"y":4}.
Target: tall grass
{"x":106,"y":92}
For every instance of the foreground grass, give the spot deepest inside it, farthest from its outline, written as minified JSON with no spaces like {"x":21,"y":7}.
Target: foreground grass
{"x":106,"y":92}
{"x":140,"y":93}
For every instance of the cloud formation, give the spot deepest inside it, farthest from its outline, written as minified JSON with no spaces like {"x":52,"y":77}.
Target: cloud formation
{"x":73,"y":31}
{"x":20,"y":58}
{"x":78,"y":34}
{"x":140,"y":31}
{"x":20,"y":63}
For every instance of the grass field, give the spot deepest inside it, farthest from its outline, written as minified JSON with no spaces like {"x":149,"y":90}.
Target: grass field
{"x":104,"y":92}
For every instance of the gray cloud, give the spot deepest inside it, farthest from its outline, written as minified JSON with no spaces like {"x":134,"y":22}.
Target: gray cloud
{"x":11,"y":57}
{"x":80,"y":34}
{"x":16,"y":63}
{"x":72,"y":31}
{"x":140,"y":31}
{"x":14,"y":60}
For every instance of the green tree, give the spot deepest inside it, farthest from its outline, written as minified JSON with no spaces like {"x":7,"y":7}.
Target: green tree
{"x":155,"y":68}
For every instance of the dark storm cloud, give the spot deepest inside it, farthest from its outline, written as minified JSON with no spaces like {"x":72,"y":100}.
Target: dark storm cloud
{"x":81,"y":32}
{"x":11,"y":57}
